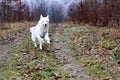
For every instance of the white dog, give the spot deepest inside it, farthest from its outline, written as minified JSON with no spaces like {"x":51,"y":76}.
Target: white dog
{"x":40,"y":31}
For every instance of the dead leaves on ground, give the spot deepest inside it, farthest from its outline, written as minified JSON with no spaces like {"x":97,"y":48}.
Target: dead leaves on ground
{"x":55,"y":76}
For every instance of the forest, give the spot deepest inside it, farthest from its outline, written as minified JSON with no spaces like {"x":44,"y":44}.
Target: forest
{"x":84,"y":36}
{"x":94,"y":12}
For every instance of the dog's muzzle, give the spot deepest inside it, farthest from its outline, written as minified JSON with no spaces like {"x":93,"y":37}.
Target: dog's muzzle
{"x":45,"y":25}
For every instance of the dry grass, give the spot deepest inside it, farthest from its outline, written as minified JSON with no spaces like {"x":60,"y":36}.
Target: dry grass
{"x":7,"y":29}
{"x":95,"y":48}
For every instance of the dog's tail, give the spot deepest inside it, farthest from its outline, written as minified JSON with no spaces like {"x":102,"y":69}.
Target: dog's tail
{"x":31,"y":29}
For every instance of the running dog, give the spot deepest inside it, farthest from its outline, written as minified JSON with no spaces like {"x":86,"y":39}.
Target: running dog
{"x":40,"y":31}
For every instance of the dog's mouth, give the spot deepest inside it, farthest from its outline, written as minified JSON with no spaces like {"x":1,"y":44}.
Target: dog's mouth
{"x":45,"y":26}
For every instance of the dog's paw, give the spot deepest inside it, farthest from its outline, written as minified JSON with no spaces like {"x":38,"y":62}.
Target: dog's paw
{"x":35,"y":45}
{"x":40,"y":48}
{"x":48,"y":41}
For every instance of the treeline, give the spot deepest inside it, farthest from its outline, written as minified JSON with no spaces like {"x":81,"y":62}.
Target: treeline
{"x":14,"y":10}
{"x":97,"y":12}
{"x":54,"y":8}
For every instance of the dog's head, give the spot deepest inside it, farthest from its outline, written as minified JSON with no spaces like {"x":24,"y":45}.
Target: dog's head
{"x":44,"y":20}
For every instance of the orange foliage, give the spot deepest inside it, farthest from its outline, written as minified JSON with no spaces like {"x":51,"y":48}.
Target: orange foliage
{"x":14,"y":10}
{"x":22,"y":12}
{"x":97,"y":13}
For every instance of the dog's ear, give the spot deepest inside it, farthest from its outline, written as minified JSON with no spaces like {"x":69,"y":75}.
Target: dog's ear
{"x":41,"y":16}
{"x":47,"y":16}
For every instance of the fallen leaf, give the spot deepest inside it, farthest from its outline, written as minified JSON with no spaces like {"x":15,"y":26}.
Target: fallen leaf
{"x":24,"y":51}
{"x":78,"y":38}
{"x":25,"y":75}
{"x":56,"y":75}
{"x":39,"y":66}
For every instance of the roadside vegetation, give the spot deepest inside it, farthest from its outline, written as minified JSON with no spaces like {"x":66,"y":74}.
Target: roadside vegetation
{"x":8,"y":29}
{"x":97,"y":48}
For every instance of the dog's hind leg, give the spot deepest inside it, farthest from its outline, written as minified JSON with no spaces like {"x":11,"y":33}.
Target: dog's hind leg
{"x":33,"y":37}
{"x":34,"y":40}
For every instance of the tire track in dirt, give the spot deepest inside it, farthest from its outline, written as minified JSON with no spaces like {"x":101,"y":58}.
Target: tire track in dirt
{"x":13,"y":40}
{"x":76,"y":71}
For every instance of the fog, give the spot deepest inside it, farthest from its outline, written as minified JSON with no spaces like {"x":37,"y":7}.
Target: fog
{"x":57,"y":9}
{"x":36,"y":3}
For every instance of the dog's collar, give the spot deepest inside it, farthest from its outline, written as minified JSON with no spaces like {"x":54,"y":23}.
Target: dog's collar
{"x":43,"y":34}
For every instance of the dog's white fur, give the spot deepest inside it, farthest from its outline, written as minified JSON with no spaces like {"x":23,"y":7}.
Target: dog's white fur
{"x":41,"y":29}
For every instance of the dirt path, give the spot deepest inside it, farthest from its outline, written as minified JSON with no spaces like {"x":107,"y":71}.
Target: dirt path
{"x":13,"y":40}
{"x":68,"y":57}
{"x":76,"y":71}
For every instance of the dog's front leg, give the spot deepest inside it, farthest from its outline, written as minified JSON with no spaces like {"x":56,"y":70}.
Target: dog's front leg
{"x":40,"y":41}
{"x":40,"y":45}
{"x":47,"y":38}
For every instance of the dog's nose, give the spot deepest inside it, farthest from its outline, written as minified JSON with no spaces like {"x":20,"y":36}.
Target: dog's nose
{"x":45,"y":24}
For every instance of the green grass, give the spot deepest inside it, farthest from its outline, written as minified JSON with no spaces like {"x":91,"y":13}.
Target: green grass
{"x":82,"y":40}
{"x":26,"y":53}
{"x":87,"y":46}
{"x":109,"y":43}
{"x":13,"y":28}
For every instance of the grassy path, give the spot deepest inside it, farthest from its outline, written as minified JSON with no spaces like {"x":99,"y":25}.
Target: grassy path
{"x":66,"y":69}
{"x":6,"y":46}
{"x":64,"y":53}
{"x":76,"y":52}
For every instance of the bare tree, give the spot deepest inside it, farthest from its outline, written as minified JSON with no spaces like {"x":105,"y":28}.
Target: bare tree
{"x":56,"y":11}
{"x":41,"y":9}
{"x":5,"y":10}
{"x":21,"y":12}
{"x":14,"y":10}
{"x":101,"y":13}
